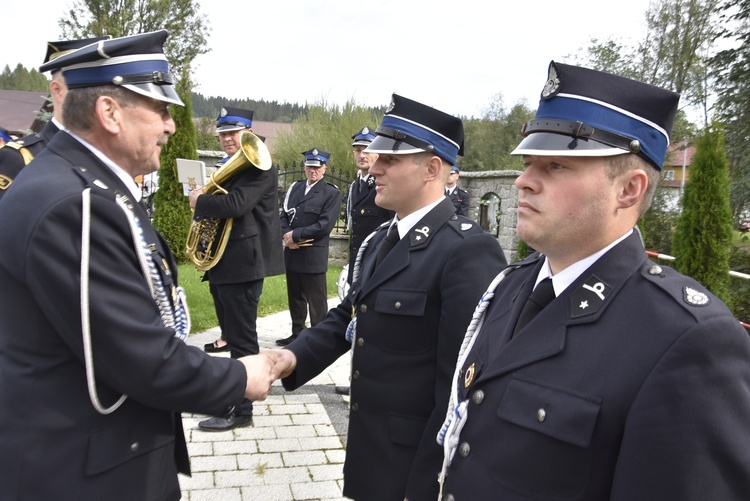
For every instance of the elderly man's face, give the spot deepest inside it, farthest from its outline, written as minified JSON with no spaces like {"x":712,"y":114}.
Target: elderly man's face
{"x":314,"y":174}
{"x":145,"y":128}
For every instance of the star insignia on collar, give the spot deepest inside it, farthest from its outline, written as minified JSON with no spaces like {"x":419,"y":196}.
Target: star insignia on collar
{"x":418,"y":238}
{"x":584,"y":305}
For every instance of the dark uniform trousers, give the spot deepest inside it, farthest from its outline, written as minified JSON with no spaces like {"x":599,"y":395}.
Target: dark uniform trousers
{"x":412,"y":314}
{"x":632,"y":384}
{"x":311,"y":217}
{"x":364,"y":216}
{"x":53,"y":443}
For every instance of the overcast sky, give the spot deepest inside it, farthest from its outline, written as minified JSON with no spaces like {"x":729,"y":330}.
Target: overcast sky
{"x":453,"y":55}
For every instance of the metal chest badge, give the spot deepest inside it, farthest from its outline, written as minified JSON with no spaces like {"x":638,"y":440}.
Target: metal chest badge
{"x":469,"y":376}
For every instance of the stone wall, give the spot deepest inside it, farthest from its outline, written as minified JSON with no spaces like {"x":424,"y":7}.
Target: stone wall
{"x":481,"y":186}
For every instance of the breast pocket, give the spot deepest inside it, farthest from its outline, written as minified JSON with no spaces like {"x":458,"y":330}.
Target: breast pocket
{"x":546,"y":435}
{"x":401,"y":321}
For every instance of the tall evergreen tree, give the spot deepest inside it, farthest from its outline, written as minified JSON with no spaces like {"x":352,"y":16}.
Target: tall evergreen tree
{"x":172,"y":213}
{"x":703,"y":235}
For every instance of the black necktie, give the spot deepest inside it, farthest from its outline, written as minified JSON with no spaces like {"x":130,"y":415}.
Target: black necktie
{"x":391,"y":239}
{"x":539,"y":298}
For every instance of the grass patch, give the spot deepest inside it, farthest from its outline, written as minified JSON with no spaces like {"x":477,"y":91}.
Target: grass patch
{"x":273,"y":300}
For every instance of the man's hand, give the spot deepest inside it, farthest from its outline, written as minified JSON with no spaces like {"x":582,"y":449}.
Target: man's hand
{"x":193,"y":196}
{"x":284,"y":362}
{"x":289,"y":241}
{"x":260,"y":376}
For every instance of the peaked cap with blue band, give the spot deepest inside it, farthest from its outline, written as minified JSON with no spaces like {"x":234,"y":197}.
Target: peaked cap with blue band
{"x":4,"y":135}
{"x":364,"y":137}
{"x":316,"y":157}
{"x":231,"y":119}
{"x":62,"y":47}
{"x":585,"y":112}
{"x":135,"y":62}
{"x":411,"y":127}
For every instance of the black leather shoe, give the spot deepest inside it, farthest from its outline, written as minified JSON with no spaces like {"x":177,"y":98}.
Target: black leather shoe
{"x":215,"y":348}
{"x":342,"y":390}
{"x":286,"y":340}
{"x":225,"y":423}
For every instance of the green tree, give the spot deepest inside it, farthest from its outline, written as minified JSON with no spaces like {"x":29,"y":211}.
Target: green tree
{"x":205,"y":137}
{"x":172,"y":213}
{"x":731,"y":68}
{"x":188,"y":28}
{"x":22,"y":79}
{"x":703,"y":235}
{"x":329,"y":128}
{"x":490,"y":139}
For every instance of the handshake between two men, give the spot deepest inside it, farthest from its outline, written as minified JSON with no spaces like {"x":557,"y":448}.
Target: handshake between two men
{"x":265,"y":368}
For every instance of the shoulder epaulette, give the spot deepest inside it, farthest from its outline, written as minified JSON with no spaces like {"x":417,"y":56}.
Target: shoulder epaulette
{"x":21,"y":148}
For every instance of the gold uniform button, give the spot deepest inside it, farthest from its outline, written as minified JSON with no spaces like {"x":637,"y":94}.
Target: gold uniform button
{"x":477,"y":397}
{"x":541,"y":415}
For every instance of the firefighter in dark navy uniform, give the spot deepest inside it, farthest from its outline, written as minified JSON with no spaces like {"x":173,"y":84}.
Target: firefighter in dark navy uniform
{"x":16,"y":154}
{"x":310,"y":211}
{"x":458,"y":196}
{"x":418,"y":280}
{"x":363,"y":214}
{"x":596,"y":373}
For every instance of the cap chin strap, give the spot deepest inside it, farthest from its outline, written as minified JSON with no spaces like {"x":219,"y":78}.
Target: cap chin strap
{"x":580,"y":130}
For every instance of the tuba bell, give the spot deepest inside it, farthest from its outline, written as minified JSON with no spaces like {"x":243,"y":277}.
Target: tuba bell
{"x":208,"y":237}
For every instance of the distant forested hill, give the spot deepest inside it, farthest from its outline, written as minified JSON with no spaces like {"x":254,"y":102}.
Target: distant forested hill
{"x":266,"y":111}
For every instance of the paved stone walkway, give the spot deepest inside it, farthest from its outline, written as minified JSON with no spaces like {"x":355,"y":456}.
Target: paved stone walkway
{"x":294,"y":451}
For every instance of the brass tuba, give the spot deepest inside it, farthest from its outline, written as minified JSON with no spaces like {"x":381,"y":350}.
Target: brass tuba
{"x":203,"y":246}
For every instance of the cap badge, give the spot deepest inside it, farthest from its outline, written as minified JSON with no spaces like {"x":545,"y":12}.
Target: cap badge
{"x":391,"y":106}
{"x":695,"y":298}
{"x":365,"y":131}
{"x":315,"y":151}
{"x":469,"y":376}
{"x":223,"y":112}
{"x":552,"y":86}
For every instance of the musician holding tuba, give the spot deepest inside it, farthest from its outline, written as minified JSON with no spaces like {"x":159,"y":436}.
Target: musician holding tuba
{"x":248,"y":202}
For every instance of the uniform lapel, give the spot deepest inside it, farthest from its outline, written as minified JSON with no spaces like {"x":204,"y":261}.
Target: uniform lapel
{"x":584,"y":301}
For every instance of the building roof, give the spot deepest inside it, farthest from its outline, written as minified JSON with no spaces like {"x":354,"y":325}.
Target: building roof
{"x":18,"y":109}
{"x":678,"y":155}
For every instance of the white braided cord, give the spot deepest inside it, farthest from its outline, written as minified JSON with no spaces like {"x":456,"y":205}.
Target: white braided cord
{"x":458,"y":412}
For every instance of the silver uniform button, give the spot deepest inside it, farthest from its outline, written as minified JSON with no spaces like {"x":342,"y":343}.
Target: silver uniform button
{"x":449,"y":497}
{"x":464,"y":449}
{"x":541,"y":415}
{"x":477,"y":397}
{"x":134,"y":447}
{"x":655,"y":270}
{"x":363,"y":308}
{"x":397,"y":305}
{"x":355,"y":407}
{"x":355,"y":375}
{"x":360,"y":342}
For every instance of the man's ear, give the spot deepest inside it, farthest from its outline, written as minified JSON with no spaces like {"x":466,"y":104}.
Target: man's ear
{"x":634,"y":184}
{"x":434,"y":167}
{"x":109,"y":114}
